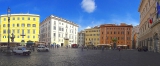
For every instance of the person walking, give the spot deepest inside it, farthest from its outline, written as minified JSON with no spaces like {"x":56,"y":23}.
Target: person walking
{"x":119,"y":48}
{"x":82,"y":48}
{"x":102,"y":48}
{"x":33,"y":48}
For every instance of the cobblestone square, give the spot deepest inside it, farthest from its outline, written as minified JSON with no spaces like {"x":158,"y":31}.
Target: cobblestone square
{"x":76,"y":57}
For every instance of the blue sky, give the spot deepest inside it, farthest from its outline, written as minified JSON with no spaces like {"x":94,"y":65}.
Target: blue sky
{"x":85,"y":13}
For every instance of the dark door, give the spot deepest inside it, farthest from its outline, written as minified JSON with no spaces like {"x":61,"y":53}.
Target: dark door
{"x":61,"y":44}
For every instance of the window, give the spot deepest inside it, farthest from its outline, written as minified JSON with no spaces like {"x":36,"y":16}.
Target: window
{"x":13,"y":25}
{"x":54,"y":27}
{"x":23,"y":32}
{"x":54,"y":34}
{"x":62,"y":29}
{"x":114,"y":32}
{"x":4,"y":36}
{"x":28,"y":31}
{"x":18,"y":18}
{"x":4,"y":25}
{"x":4,"y":19}
{"x":54,"y":22}
{"x":22,"y":18}
{"x":59,"y":28}
{"x":18,"y":31}
{"x":13,"y":31}
{"x":4,"y":31}
{"x":28,"y":18}
{"x":28,"y":25}
{"x":13,"y":18}
{"x":34,"y":25}
{"x":17,"y":25}
{"x":33,"y":36}
{"x":34,"y":31}
{"x":28,"y":36}
{"x":17,"y":36}
{"x":34,"y":19}
{"x":23,"y":25}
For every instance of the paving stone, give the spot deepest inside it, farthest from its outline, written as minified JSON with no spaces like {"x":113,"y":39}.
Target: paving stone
{"x":76,"y":57}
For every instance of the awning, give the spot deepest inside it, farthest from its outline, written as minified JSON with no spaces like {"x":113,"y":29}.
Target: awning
{"x":121,"y":45}
{"x":124,"y":45}
{"x":104,"y":44}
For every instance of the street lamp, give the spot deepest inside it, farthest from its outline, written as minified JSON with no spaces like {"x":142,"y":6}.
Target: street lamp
{"x":12,"y":38}
{"x":8,"y":15}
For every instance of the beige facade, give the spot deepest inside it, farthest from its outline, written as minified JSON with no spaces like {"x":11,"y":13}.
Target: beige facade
{"x":135,"y":32}
{"x":81,"y":38}
{"x":149,"y":33}
{"x":92,"y":36}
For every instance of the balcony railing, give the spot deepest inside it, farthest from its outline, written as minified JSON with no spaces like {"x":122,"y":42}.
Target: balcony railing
{"x":155,"y":23}
{"x":66,"y":38}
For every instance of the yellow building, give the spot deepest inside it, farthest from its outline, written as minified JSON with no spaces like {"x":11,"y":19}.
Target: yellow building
{"x":20,"y":24}
{"x":92,"y":36}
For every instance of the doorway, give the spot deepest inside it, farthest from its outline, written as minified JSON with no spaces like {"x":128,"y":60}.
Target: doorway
{"x":156,"y":42}
{"x":61,"y":44}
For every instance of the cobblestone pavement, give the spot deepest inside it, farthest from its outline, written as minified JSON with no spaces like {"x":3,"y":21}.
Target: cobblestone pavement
{"x":76,"y":57}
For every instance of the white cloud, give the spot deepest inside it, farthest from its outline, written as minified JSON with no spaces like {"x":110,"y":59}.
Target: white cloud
{"x":88,"y":27}
{"x":88,"y":5}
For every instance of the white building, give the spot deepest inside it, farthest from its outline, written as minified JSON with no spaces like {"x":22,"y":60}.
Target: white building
{"x":81,"y":38}
{"x":54,"y":30}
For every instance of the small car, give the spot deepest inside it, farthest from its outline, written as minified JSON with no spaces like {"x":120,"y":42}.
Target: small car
{"x":42,"y":48}
{"x":21,"y":50}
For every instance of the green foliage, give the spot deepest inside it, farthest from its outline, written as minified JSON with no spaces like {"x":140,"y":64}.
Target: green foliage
{"x":114,"y":40}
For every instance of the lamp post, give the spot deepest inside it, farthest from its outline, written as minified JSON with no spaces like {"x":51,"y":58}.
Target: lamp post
{"x":12,"y":38}
{"x":8,"y":15}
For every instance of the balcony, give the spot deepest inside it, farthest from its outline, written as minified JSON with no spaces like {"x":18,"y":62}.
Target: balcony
{"x":155,"y":23}
{"x":66,"y":38}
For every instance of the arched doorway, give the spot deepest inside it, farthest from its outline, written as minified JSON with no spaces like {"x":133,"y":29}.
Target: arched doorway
{"x":156,"y":42}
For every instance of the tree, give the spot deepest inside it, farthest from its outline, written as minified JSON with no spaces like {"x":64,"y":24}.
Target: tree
{"x":114,"y":40}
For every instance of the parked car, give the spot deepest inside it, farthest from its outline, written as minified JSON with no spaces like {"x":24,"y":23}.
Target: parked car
{"x":74,"y":46}
{"x":42,"y":48}
{"x":21,"y":50}
{"x":144,"y":48}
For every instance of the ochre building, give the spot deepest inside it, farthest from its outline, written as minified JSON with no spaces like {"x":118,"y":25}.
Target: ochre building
{"x":20,"y":24}
{"x":92,"y":36}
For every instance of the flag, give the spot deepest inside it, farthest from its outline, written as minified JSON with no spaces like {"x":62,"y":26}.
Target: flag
{"x":151,"y":20}
{"x":158,"y":10}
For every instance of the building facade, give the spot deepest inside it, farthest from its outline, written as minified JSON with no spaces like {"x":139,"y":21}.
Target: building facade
{"x":81,"y":38}
{"x":135,"y":37}
{"x":20,"y":24}
{"x":58,"y":31}
{"x":122,"y":33}
{"x":149,"y":32}
{"x":92,"y":36}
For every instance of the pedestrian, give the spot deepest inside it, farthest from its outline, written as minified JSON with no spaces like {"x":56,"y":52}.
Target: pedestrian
{"x":87,"y":48}
{"x":67,"y":47}
{"x":102,"y":48}
{"x":119,"y":48}
{"x":82,"y":48}
{"x":33,"y":48}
